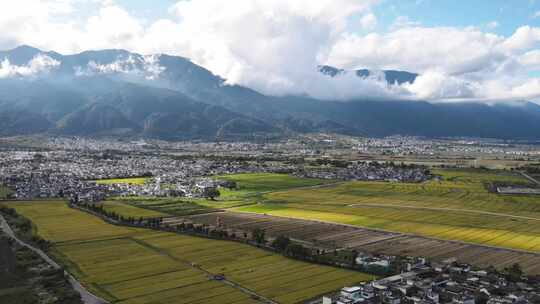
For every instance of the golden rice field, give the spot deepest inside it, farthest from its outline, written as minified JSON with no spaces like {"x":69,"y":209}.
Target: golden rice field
{"x":128,"y":265}
{"x":456,"y":208}
{"x":131,"y":181}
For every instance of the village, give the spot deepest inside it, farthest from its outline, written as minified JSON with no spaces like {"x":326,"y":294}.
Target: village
{"x":63,"y":173}
{"x":428,"y":282}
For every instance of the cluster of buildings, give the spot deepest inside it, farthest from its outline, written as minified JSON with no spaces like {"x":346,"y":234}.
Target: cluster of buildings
{"x":409,"y":145}
{"x":423,"y":282}
{"x":68,"y":166}
{"x":64,"y":173}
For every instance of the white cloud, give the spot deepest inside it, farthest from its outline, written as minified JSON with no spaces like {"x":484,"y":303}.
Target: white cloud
{"x":433,"y":85}
{"x":493,"y":25}
{"x":404,"y":21}
{"x":38,"y":65}
{"x":419,"y":49}
{"x":272,"y":46}
{"x":530,"y":60}
{"x":275,"y":46}
{"x":369,"y":21}
{"x":113,"y":27}
{"x":147,"y":67}
{"x":524,"y":38}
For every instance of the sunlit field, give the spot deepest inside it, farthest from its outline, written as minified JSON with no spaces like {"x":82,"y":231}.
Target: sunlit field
{"x":458,"y":208}
{"x":131,"y":181}
{"x":264,"y":182}
{"x":128,"y":265}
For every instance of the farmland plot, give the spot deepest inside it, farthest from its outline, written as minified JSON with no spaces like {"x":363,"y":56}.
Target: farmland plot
{"x":458,"y":207}
{"x":324,"y":234}
{"x":129,"y":265}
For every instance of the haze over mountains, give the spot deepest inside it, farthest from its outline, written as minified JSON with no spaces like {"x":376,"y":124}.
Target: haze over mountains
{"x":115,"y":92}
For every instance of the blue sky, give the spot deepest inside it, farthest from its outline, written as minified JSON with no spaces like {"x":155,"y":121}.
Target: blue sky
{"x":508,"y":14}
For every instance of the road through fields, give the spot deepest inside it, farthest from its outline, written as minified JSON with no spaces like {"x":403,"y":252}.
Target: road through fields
{"x":86,"y":296}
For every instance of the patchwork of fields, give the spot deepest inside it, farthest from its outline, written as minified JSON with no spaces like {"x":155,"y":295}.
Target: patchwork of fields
{"x":251,"y":186}
{"x":328,"y":235}
{"x":159,"y":207}
{"x":129,"y":265}
{"x":456,"y":208}
{"x":265,"y":182}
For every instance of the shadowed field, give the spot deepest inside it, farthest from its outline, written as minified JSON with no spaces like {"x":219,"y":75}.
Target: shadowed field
{"x":128,"y":265}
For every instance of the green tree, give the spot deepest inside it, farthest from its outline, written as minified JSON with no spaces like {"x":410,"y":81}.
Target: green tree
{"x":297,"y":251}
{"x":259,"y":236}
{"x":212,"y":193}
{"x":281,"y":243}
{"x":514,"y":273}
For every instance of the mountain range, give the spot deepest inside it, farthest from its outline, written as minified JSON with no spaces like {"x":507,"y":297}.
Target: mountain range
{"x":118,"y":93}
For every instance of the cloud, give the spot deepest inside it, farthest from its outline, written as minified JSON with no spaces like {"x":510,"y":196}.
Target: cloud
{"x":492,"y":25}
{"x":524,"y":38}
{"x":419,"y":49}
{"x":404,"y":21}
{"x":275,"y":46}
{"x":531,"y":60}
{"x":433,"y":85}
{"x":271,"y":46}
{"x":147,"y":67}
{"x":369,"y":21}
{"x":40,"y":64}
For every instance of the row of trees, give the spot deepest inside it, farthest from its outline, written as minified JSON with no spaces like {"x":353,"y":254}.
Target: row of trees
{"x":140,"y":221}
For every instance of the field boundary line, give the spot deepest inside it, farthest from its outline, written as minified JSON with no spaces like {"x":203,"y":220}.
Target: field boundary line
{"x":444,"y":209}
{"x":536,"y":253}
{"x":532,"y":179}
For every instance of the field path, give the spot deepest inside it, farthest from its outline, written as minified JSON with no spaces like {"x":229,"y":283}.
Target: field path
{"x":532,"y":179}
{"x":86,"y":296}
{"x":445,"y":209}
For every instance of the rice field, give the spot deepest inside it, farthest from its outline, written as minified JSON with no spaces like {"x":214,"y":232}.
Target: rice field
{"x":127,"y":210}
{"x":330,"y":236}
{"x":264,"y":182}
{"x":129,"y":265}
{"x":130,"y":181}
{"x":458,"y":207}
{"x":173,"y":206}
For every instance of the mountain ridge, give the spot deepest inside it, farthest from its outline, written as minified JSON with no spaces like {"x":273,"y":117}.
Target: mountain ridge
{"x":111,"y":92}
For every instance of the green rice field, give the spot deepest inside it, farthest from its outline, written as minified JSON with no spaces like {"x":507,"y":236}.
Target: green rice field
{"x":127,"y":210}
{"x":130,"y":265}
{"x":458,"y":207}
